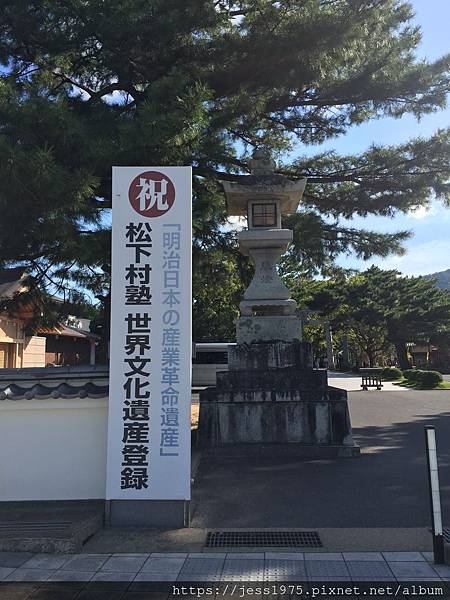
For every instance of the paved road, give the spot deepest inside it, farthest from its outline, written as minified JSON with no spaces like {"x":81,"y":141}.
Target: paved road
{"x":385,"y":487}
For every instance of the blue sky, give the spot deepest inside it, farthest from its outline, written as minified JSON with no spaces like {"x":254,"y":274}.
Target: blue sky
{"x":429,"y":249}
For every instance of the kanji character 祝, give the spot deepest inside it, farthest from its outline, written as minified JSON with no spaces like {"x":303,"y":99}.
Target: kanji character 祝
{"x":152,"y":192}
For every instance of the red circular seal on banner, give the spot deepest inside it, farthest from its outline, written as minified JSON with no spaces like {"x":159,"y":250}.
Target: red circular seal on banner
{"x":151,"y":194}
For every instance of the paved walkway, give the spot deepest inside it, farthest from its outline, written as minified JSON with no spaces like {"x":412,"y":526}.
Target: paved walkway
{"x":133,"y":569}
{"x":347,"y":381}
{"x":352,"y":383}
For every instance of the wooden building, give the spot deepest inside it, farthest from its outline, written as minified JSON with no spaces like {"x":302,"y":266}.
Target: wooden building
{"x":53,"y":346}
{"x":66,"y":346}
{"x":16,"y":348}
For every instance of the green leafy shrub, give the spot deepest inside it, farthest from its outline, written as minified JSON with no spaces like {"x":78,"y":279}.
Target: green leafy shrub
{"x":429,"y":379}
{"x":391,"y":373}
{"x":412,"y":374}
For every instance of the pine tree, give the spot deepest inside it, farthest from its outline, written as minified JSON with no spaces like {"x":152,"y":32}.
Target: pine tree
{"x":87,"y":84}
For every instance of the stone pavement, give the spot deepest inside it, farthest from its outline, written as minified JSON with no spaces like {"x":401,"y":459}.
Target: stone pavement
{"x":352,"y":383}
{"x":132,"y":569}
{"x":346,"y":381}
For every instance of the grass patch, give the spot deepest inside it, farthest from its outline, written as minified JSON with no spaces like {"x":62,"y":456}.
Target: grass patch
{"x":414,"y":385}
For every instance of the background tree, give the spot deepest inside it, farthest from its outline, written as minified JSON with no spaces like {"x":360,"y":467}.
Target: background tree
{"x":341,"y":301}
{"x":412,"y":308}
{"x":87,"y":85}
{"x":379,"y":309}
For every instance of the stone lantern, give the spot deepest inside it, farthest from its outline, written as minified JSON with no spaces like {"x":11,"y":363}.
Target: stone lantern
{"x":263,"y":197}
{"x":271,"y":399}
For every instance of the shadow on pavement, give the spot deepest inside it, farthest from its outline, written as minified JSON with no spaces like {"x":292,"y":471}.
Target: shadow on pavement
{"x":386,"y":487}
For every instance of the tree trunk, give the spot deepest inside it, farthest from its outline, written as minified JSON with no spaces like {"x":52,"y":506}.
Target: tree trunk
{"x":402,"y":355}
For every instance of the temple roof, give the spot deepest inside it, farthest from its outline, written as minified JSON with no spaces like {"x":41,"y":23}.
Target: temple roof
{"x":13,"y":281}
{"x":65,"y":331}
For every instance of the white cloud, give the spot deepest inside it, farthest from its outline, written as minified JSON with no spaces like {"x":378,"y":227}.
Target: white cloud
{"x":235,"y":223}
{"x":422,"y":259}
{"x":116,"y":97}
{"x":422,"y":212}
{"x":76,"y":91}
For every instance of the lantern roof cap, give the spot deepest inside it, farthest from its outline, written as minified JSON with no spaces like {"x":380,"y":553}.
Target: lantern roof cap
{"x":263,"y":184}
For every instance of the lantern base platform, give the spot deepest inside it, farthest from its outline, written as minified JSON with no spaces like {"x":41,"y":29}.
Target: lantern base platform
{"x":272,"y":397}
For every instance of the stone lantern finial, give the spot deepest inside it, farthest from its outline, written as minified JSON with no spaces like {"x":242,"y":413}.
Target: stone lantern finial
{"x":262,"y":162}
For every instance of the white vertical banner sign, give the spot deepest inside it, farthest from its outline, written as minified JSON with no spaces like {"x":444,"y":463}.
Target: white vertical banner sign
{"x":149,"y":421}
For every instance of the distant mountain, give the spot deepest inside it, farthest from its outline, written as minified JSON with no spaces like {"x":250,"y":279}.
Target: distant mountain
{"x":442,"y":279}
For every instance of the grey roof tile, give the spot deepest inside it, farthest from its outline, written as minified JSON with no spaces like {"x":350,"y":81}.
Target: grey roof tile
{"x":63,"y":390}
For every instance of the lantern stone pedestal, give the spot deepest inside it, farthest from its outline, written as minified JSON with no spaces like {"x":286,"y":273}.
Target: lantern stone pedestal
{"x":271,"y":400}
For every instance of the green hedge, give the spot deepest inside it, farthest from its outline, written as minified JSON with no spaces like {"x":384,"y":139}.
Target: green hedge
{"x":411,"y":374}
{"x":429,"y":379}
{"x":391,"y":373}
{"x":425,"y":380}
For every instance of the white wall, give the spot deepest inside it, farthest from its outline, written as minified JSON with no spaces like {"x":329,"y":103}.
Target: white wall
{"x":34,"y":352}
{"x":53,"y":449}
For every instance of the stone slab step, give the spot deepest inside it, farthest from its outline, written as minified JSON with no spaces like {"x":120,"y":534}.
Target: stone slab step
{"x":47,"y":528}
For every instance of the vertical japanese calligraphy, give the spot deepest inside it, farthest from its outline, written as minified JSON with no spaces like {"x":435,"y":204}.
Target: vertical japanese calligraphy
{"x":170,"y":362}
{"x":136,"y":405}
{"x":149,"y":403}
